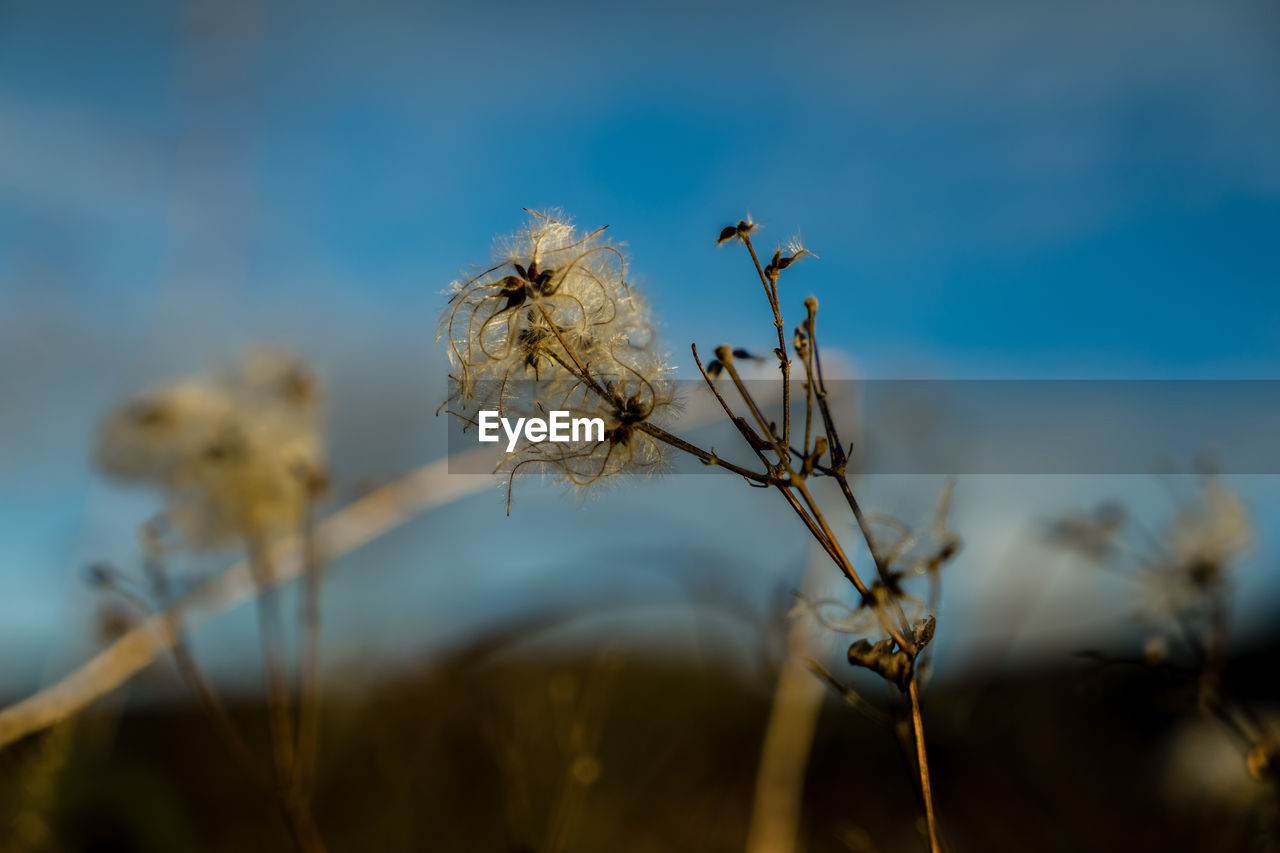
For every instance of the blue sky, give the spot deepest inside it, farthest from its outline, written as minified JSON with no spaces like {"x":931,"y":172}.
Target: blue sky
{"x":994,"y":189}
{"x":1009,"y":185}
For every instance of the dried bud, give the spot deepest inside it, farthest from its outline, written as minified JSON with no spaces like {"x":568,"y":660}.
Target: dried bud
{"x":922,"y":632}
{"x":796,"y":251}
{"x":882,"y":659}
{"x":811,"y":461}
{"x":736,"y":232}
{"x":800,"y":343}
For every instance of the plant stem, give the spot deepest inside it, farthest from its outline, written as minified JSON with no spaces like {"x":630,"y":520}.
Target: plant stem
{"x":309,"y":661}
{"x":705,"y":455}
{"x":922,"y":764}
{"x":269,"y":628}
{"x":779,"y":447}
{"x":784,"y":363}
{"x":297,"y":818}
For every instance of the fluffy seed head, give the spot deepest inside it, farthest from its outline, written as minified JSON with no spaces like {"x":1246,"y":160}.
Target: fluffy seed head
{"x":553,"y":325}
{"x":553,"y":299}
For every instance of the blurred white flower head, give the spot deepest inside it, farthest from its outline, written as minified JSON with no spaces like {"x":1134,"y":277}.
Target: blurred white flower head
{"x":1215,"y":529}
{"x":1204,"y":540}
{"x":237,"y":453}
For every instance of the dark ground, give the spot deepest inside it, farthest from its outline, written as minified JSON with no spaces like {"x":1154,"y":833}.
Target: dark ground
{"x":612,"y":753}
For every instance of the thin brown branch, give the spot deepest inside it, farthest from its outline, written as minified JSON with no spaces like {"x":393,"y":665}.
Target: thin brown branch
{"x":582,"y":372}
{"x":838,"y":454}
{"x":842,"y":560}
{"x":922,"y":764}
{"x":753,"y":441}
{"x":828,"y":544}
{"x":705,"y":455}
{"x":779,"y":447}
{"x":809,"y":379}
{"x":784,"y":363}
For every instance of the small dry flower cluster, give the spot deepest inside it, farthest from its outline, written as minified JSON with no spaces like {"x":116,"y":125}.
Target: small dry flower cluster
{"x":1181,"y":580}
{"x":1179,"y":576}
{"x":910,"y":554}
{"x":237,"y":453}
{"x":238,"y":456}
{"x":554,"y":325}
{"x":556,"y":309}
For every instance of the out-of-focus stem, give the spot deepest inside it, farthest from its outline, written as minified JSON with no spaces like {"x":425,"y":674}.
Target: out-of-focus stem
{"x":269,"y":628}
{"x":309,"y":662}
{"x":922,"y":765}
{"x":784,"y":756}
{"x":346,"y":530}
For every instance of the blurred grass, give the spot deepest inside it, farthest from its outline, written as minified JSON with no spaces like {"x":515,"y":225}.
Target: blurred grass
{"x":630,"y":752}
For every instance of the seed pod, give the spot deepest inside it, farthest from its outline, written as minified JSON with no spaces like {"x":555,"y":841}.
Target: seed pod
{"x":922,"y":633}
{"x":882,"y":659}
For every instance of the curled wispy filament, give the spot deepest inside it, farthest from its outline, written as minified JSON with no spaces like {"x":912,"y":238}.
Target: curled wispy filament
{"x":553,"y":325}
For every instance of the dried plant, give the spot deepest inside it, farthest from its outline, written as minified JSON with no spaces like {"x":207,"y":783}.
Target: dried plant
{"x":556,"y":317}
{"x":554,"y":325}
{"x":1181,"y":581}
{"x":238,"y":457}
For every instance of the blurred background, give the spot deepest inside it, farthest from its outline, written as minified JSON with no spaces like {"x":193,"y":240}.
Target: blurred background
{"x":994,"y":191}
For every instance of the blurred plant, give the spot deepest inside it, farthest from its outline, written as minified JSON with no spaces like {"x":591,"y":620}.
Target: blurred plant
{"x":30,"y":827}
{"x":556,"y":316}
{"x":238,"y":458}
{"x":237,"y":454}
{"x":1181,"y":581}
